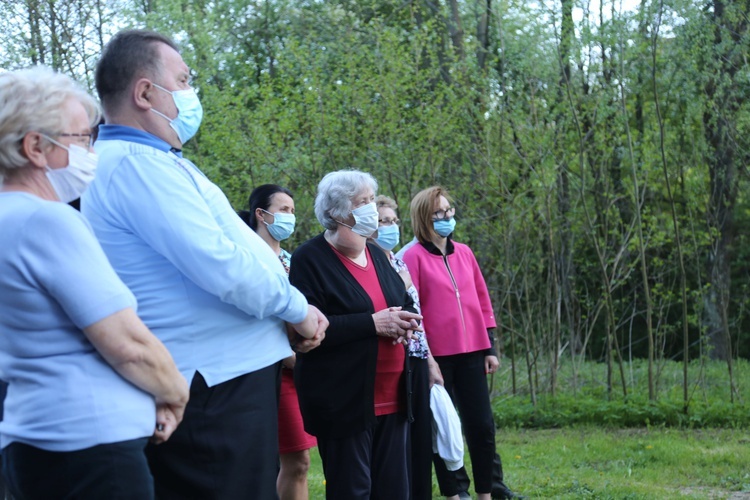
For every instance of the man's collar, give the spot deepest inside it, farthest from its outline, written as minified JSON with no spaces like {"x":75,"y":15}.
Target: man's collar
{"x":130,"y":134}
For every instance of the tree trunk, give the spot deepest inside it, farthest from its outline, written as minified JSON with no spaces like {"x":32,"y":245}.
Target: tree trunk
{"x":36,"y":45}
{"x":719,"y":120}
{"x":565,"y":264}
{"x":483,"y":32}
{"x":455,"y":30}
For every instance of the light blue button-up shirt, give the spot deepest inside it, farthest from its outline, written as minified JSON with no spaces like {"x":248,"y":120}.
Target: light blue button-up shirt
{"x":210,"y":288}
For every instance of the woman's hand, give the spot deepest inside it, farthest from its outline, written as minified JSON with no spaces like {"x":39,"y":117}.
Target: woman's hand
{"x":436,"y":376}
{"x":396,"y":324}
{"x":491,"y":364}
{"x":168,"y":417}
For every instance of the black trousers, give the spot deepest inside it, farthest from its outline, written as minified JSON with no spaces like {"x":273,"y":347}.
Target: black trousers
{"x":226,"y":447}
{"x":466,"y":383}
{"x":420,"y":432}
{"x":463,"y":482}
{"x":116,"y":471}
{"x":371,"y":464}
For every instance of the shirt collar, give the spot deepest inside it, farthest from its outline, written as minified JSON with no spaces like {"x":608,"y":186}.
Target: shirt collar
{"x":130,"y":134}
{"x":430,"y":247}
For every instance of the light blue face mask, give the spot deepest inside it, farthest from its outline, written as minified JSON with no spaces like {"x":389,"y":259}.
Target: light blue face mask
{"x":388,"y":237}
{"x":189,"y":113}
{"x":283,"y":225}
{"x":444,"y":227}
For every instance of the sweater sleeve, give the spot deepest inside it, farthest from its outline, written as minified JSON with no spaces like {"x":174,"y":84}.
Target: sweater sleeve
{"x":313,"y":273}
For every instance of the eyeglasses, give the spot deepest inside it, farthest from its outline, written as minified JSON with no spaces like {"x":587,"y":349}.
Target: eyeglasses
{"x":389,"y":222}
{"x":444,"y":214}
{"x":83,"y":140}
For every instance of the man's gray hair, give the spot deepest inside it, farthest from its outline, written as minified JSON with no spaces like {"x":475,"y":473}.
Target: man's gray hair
{"x":335,"y":194}
{"x":32,"y":100}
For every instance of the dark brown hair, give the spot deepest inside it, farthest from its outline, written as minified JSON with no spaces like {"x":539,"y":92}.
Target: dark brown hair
{"x":129,"y":55}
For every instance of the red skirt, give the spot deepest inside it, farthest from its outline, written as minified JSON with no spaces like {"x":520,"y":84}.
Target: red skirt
{"x":292,"y":435}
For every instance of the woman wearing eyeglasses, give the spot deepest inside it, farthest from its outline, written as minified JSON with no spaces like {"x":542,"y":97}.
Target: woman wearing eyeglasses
{"x":459,"y":324}
{"x":89,"y":384}
{"x":425,"y":371}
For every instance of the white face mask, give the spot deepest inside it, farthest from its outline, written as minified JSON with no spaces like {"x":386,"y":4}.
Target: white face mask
{"x":365,"y":220}
{"x":71,"y":181}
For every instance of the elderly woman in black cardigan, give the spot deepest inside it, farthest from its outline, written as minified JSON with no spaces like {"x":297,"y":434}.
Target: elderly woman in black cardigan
{"x":353,"y":388}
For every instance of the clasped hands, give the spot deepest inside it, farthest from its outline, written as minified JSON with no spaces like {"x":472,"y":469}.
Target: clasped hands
{"x":308,"y":334}
{"x":397,"y":324}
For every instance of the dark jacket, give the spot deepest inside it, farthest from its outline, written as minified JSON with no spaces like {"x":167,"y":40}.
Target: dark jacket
{"x":336,"y":381}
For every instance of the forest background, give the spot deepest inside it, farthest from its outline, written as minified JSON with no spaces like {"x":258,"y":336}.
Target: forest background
{"x":597,"y":153}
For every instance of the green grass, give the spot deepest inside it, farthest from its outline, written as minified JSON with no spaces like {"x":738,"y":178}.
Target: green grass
{"x":585,"y":443}
{"x":591,"y":462}
{"x":626,"y":464}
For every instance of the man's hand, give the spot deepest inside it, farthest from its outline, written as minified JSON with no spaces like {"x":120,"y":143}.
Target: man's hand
{"x":314,"y":325}
{"x":304,"y":345}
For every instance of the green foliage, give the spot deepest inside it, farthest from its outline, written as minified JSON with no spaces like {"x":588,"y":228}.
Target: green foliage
{"x":587,"y":403}
{"x":565,"y":411}
{"x":566,"y":155}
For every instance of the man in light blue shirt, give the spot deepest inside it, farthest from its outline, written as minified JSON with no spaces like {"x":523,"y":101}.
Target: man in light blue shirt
{"x":206,"y":284}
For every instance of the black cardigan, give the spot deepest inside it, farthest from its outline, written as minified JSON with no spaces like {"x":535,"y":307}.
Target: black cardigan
{"x":336,"y":381}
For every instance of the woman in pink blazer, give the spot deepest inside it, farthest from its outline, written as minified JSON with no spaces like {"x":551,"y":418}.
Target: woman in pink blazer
{"x":459,"y":324}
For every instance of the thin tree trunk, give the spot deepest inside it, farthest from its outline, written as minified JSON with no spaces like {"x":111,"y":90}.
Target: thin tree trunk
{"x":483,"y":32}
{"x":730,"y":29}
{"x":36,"y":45}
{"x":675,"y":221}
{"x":455,"y":30}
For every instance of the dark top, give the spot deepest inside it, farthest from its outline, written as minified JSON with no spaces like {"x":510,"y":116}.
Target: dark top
{"x":336,"y":381}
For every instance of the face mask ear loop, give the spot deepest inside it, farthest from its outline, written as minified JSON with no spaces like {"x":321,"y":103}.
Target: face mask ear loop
{"x":162,"y":115}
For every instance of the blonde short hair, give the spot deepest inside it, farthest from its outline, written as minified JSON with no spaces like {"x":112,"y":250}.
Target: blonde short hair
{"x":32,"y":100}
{"x":422,"y":209}
{"x":382,"y":200}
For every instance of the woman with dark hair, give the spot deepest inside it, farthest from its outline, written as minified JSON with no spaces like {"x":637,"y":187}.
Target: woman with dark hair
{"x":271,"y":215}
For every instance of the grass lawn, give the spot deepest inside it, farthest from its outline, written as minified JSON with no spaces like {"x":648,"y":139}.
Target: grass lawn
{"x":593,"y":462}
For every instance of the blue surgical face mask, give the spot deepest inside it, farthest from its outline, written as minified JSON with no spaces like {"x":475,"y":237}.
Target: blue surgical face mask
{"x":444,"y":227}
{"x":283,"y":225}
{"x":189,"y":113}
{"x":388,"y":237}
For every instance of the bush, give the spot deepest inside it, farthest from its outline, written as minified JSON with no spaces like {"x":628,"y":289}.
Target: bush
{"x":710,"y":407}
